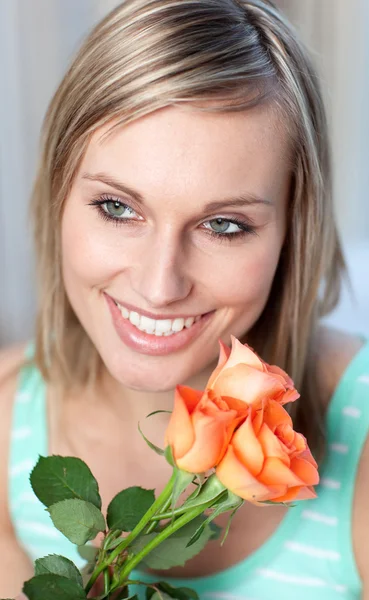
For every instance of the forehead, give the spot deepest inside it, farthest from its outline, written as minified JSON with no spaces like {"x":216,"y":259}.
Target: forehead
{"x":179,"y":150}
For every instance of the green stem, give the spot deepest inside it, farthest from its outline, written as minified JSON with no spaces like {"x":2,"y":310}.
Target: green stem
{"x":160,"y":501}
{"x":162,"y":535}
{"x":154,"y":519}
{"x":106,"y":582}
{"x":163,"y":516}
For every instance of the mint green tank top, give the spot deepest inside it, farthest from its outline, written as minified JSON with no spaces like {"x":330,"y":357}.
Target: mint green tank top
{"x":309,"y":555}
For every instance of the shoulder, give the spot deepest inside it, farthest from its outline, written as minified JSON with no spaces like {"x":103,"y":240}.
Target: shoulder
{"x":11,"y":360}
{"x":334,"y":350}
{"x":361,"y":518}
{"x":337,"y":350}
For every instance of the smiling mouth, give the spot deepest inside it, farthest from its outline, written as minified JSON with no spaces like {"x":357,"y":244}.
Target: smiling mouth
{"x":157,"y":327}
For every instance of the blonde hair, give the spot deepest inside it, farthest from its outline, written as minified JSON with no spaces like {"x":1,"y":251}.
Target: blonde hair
{"x":148,"y":54}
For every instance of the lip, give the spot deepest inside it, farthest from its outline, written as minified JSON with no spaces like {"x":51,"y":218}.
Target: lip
{"x":152,"y":345}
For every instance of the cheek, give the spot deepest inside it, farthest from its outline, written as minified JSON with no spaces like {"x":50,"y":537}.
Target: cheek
{"x":246,"y":278}
{"x":92,"y":252}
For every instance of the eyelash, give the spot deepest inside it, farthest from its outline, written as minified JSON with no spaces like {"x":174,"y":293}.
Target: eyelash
{"x":245,"y":228}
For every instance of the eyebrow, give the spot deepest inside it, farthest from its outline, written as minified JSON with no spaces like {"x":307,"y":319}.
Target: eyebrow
{"x":245,"y":199}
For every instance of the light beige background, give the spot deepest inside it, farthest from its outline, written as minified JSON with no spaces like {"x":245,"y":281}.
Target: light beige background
{"x":37,"y":40}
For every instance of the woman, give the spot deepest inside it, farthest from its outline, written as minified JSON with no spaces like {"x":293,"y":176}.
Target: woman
{"x":184,"y":195}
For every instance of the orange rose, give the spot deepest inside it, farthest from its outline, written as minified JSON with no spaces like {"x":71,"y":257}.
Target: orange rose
{"x":201,"y":427}
{"x":267,"y":460}
{"x":242,"y":374}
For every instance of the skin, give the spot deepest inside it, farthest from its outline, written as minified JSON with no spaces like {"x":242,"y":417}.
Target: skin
{"x":164,"y":259}
{"x":165,"y":262}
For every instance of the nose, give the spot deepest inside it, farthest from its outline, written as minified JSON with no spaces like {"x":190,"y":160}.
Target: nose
{"x":159,"y":275}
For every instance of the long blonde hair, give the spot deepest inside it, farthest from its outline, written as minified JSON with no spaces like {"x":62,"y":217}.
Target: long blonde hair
{"x":148,"y":54}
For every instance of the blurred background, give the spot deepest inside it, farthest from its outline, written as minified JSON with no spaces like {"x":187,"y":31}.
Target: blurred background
{"x":38,"y":39}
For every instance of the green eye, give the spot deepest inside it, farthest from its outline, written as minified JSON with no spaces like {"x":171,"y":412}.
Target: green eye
{"x":219,"y":225}
{"x":115,"y":208}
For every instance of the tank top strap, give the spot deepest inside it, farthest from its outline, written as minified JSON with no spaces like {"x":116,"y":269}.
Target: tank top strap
{"x":347,"y":425}
{"x":28,"y":435}
{"x":29,"y":439}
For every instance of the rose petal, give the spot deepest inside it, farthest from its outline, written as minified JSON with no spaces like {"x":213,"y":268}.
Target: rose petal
{"x":306,"y":454}
{"x":190,"y":396}
{"x":290,"y":495}
{"x":288,"y":396}
{"x":180,"y":434}
{"x":285,"y":432}
{"x":238,"y":405}
{"x":212,"y":436}
{"x":224,"y":353}
{"x":272,"y":446}
{"x":275,"y":415}
{"x":297,"y":493}
{"x":212,"y":405}
{"x":305,"y":471}
{"x":300,"y":445}
{"x":234,"y":476}
{"x":278,"y":371}
{"x":247,"y":384}
{"x":257,"y":417}
{"x":248,"y":448}
{"x":306,"y":493}
{"x":276,"y":472}
{"x":243,"y":354}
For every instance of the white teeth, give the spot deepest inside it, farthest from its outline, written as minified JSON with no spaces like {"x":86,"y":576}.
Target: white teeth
{"x":178,"y":325}
{"x":162,"y":327}
{"x":147,"y":324}
{"x":134,"y":318}
{"x":124,"y":312}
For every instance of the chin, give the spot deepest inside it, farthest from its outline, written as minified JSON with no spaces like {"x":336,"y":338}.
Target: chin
{"x":154,"y":383}
{"x":143,"y":375}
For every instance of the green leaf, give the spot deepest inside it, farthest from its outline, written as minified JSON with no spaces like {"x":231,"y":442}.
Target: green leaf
{"x":168,"y":455}
{"x":150,"y":444}
{"x":57,"y":478}
{"x":59,"y":565}
{"x":161,"y":596}
{"x":230,"y":503}
{"x":180,"y":593}
{"x":173,"y":551}
{"x":78,"y":520}
{"x":113,"y":543}
{"x":211,"y":490}
{"x":271,"y":503}
{"x":53,"y":587}
{"x":121,"y":594}
{"x":159,"y":412}
{"x":88,"y":552}
{"x":226,"y":532}
{"x":128,"y":507}
{"x":181,"y":483}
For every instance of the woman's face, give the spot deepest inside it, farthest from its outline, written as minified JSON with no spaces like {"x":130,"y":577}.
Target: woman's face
{"x":171,"y":236}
